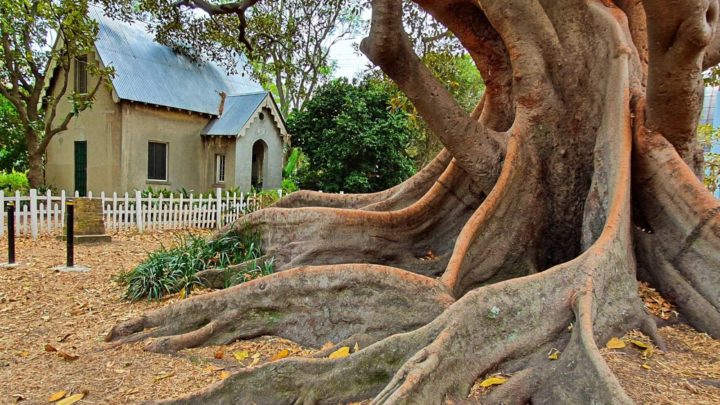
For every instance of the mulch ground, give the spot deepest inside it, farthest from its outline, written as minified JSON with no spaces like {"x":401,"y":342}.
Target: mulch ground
{"x":52,"y":326}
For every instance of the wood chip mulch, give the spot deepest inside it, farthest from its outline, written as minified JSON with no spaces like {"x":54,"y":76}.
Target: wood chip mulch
{"x":52,"y":326}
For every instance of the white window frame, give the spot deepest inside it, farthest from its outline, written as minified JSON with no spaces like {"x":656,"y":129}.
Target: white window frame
{"x":220,"y":168}
{"x":167,"y":162}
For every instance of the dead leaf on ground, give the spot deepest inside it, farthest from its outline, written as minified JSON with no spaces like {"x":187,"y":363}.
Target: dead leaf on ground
{"x":57,"y":396}
{"x":639,"y":343}
{"x":164,"y":376}
{"x":340,"y":353}
{"x":494,"y":380}
{"x":241,"y":355}
{"x":281,"y":354}
{"x":615,"y":343}
{"x":71,"y":399}
{"x":554,"y":354}
{"x":219,"y":354}
{"x":50,"y":348}
{"x":68,"y":356}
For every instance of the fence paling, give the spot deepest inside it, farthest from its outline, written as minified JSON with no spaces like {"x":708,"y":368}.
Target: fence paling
{"x":44,"y":214}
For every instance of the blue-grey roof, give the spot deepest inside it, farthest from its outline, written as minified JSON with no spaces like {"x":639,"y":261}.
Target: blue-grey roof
{"x":237,"y":111}
{"x":148,"y":72}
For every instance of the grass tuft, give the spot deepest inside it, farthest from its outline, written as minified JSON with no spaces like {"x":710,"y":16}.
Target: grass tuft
{"x":169,"y":270}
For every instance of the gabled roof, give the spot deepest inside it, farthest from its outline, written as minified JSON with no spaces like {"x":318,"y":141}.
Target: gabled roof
{"x":238,"y":113}
{"x":151,"y":73}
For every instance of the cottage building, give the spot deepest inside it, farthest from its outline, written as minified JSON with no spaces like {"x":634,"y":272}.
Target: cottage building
{"x":165,"y":121}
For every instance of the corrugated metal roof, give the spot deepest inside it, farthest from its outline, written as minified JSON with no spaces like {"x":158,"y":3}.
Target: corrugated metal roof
{"x":237,"y":111}
{"x":148,"y":72}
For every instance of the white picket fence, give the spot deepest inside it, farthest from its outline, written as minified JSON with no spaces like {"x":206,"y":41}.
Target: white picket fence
{"x":44,"y":214}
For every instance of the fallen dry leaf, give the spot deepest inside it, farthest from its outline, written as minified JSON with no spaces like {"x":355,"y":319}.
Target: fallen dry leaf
{"x":615,"y":343}
{"x":495,"y":380}
{"x":241,"y":355}
{"x":281,"y":354}
{"x":50,"y":348}
{"x":71,"y":399}
{"x":68,"y":356}
{"x":639,"y":343}
{"x":554,"y":354}
{"x":340,"y":353}
{"x":164,"y":376}
{"x":219,"y":353}
{"x":224,"y":375}
{"x":57,"y":396}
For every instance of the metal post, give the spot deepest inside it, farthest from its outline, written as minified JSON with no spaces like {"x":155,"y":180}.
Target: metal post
{"x":11,"y":232}
{"x":70,"y":234}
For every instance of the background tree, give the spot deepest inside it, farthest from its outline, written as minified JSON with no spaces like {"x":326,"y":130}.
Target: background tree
{"x":709,"y":138}
{"x":288,"y":42}
{"x":13,"y":152}
{"x":518,"y":249}
{"x":28,"y":60}
{"x":351,"y":139}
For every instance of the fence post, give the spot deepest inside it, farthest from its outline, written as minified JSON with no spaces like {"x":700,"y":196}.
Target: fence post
{"x":11,"y":232}
{"x":70,"y":234}
{"x":138,"y":211}
{"x":2,"y":217}
{"x":33,"y":213}
{"x":218,"y":207}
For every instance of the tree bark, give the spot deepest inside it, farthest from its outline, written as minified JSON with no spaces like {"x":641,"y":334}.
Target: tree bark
{"x":570,"y":176}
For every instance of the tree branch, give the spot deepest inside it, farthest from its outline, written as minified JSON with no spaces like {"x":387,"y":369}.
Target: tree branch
{"x":477,"y":149}
{"x":677,"y":38}
{"x":68,"y":117}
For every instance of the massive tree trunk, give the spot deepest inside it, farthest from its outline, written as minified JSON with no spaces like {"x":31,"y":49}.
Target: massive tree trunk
{"x":568,"y":181}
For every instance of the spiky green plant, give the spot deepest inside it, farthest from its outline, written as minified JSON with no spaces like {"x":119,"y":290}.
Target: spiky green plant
{"x":168,"y":271}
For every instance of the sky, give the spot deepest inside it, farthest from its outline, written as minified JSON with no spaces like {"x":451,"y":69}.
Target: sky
{"x":349,"y":61}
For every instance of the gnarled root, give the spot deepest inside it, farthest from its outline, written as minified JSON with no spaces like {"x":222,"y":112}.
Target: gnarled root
{"x":318,"y":236}
{"x":395,"y":198}
{"x":310,"y":305}
{"x":494,"y":326}
{"x":678,"y":249}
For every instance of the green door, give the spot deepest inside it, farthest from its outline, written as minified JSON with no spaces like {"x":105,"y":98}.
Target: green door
{"x":81,"y":168}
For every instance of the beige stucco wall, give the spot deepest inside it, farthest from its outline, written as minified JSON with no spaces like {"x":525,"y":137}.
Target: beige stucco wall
{"x":180,"y":130}
{"x":223,"y":146}
{"x":266,"y":130}
{"x":101,"y":127}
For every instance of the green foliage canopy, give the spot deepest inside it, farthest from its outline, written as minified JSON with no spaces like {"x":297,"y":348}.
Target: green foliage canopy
{"x":352,"y":139}
{"x":13,"y":152}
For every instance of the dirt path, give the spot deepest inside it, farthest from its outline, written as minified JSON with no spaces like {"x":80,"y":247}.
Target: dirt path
{"x":42,"y":310}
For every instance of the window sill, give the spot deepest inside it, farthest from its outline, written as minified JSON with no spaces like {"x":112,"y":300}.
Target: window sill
{"x":165,"y":182}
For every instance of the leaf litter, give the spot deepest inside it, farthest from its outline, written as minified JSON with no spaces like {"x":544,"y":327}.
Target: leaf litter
{"x":46,"y":315}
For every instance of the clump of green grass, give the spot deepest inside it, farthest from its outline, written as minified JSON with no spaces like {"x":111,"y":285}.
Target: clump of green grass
{"x":169,"y":270}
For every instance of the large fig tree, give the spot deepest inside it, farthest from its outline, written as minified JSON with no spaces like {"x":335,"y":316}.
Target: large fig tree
{"x":571,"y":179}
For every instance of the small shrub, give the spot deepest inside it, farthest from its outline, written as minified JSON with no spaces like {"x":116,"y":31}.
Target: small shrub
{"x":14,"y":181}
{"x":167,"y":271}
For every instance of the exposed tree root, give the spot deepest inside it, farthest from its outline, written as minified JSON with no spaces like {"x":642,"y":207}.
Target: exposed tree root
{"x":418,"y":238}
{"x":311,"y":306}
{"x":395,"y":198}
{"x":514,"y":210}
{"x":679,"y":251}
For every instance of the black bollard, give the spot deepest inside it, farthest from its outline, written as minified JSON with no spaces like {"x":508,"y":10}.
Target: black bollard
{"x":11,"y":232}
{"x":70,"y":234}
